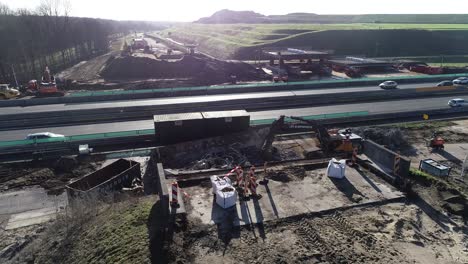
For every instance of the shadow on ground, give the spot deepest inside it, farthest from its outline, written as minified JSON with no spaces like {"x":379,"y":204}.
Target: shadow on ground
{"x":156,"y":234}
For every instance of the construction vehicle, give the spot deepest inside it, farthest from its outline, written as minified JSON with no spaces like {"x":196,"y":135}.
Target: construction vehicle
{"x":342,"y":141}
{"x":7,"y":93}
{"x":436,"y":142}
{"x":126,"y":50}
{"x":47,"y":87}
{"x":353,"y":72}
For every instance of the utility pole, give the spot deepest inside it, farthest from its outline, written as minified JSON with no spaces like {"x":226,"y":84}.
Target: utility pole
{"x":14,"y":76}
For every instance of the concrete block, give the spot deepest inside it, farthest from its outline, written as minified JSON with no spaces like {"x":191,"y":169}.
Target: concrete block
{"x":385,"y":157}
{"x":162,"y":189}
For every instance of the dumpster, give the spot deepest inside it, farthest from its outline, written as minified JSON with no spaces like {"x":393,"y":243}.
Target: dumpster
{"x":110,"y":178}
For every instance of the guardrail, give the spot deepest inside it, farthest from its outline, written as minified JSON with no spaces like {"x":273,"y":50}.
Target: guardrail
{"x":77,"y":138}
{"x":285,"y":86}
{"x":30,"y":120}
{"x":136,"y":133}
{"x":22,"y":149}
{"x":95,"y":96}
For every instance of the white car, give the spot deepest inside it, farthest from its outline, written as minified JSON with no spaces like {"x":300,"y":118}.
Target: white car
{"x":461,"y":80}
{"x":388,"y":85}
{"x":43,"y":135}
{"x":457,"y":102}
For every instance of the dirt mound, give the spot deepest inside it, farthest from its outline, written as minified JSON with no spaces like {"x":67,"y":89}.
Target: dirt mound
{"x":392,"y":137}
{"x":27,"y":178}
{"x":198,"y":67}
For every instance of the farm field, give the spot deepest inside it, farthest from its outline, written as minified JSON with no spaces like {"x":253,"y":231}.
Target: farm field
{"x":243,"y":41}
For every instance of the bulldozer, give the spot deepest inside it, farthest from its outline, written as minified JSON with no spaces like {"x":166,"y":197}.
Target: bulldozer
{"x":342,"y":141}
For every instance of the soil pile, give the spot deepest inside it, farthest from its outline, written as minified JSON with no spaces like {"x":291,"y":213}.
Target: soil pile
{"x":198,"y":67}
{"x":52,"y":177}
{"x":287,"y":174}
{"x":394,"y":138}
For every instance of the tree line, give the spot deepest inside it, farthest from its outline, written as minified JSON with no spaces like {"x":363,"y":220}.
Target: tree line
{"x":47,"y":35}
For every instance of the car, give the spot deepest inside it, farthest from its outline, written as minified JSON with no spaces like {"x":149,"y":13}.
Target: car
{"x":445,"y":83}
{"x":44,"y":135}
{"x":388,"y":85}
{"x":461,"y":80}
{"x":457,"y":102}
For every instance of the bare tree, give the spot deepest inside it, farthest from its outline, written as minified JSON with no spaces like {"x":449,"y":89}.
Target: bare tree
{"x":5,"y":10}
{"x":47,"y":35}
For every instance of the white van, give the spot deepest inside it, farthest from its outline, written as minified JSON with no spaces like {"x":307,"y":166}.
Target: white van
{"x":457,"y":102}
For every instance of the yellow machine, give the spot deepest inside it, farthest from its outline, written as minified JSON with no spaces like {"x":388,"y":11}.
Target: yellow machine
{"x":6,"y":92}
{"x":343,"y":141}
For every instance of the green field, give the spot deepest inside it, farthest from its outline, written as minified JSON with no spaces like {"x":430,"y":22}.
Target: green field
{"x":372,"y":39}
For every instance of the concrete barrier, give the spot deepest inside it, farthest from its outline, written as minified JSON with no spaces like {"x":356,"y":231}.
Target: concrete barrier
{"x":255,"y":104}
{"x":386,"y":158}
{"x":163,"y":192}
{"x":166,"y":92}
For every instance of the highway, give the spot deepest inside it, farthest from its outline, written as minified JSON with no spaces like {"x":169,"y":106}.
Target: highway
{"x":191,"y":99}
{"x":372,"y":108}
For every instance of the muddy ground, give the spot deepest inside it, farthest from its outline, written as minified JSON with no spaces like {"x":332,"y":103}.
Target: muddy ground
{"x":52,"y":176}
{"x":144,"y":71}
{"x":422,"y":230}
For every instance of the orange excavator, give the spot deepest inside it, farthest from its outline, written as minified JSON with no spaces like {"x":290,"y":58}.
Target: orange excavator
{"x":47,"y":86}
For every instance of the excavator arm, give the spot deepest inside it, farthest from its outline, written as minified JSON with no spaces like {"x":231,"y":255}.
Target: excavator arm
{"x":275,"y":128}
{"x":320,"y":130}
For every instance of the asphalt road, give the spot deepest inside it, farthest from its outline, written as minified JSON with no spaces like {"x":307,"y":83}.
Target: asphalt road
{"x":372,"y":108}
{"x":191,"y":99}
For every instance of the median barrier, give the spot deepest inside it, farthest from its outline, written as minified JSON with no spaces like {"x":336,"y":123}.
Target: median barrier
{"x":249,"y":104}
{"x":97,"y":96}
{"x":21,"y":149}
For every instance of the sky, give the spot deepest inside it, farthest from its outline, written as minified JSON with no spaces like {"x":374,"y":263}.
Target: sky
{"x":190,"y":10}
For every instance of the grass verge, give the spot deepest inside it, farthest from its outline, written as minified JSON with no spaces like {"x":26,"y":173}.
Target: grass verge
{"x":115,"y":233}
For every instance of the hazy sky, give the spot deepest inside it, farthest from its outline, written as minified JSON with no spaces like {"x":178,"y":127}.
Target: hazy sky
{"x":189,"y":10}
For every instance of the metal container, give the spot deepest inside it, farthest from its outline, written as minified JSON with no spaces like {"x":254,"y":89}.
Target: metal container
{"x":107,"y":179}
{"x":434,"y":168}
{"x":224,"y":122}
{"x":174,"y":128}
